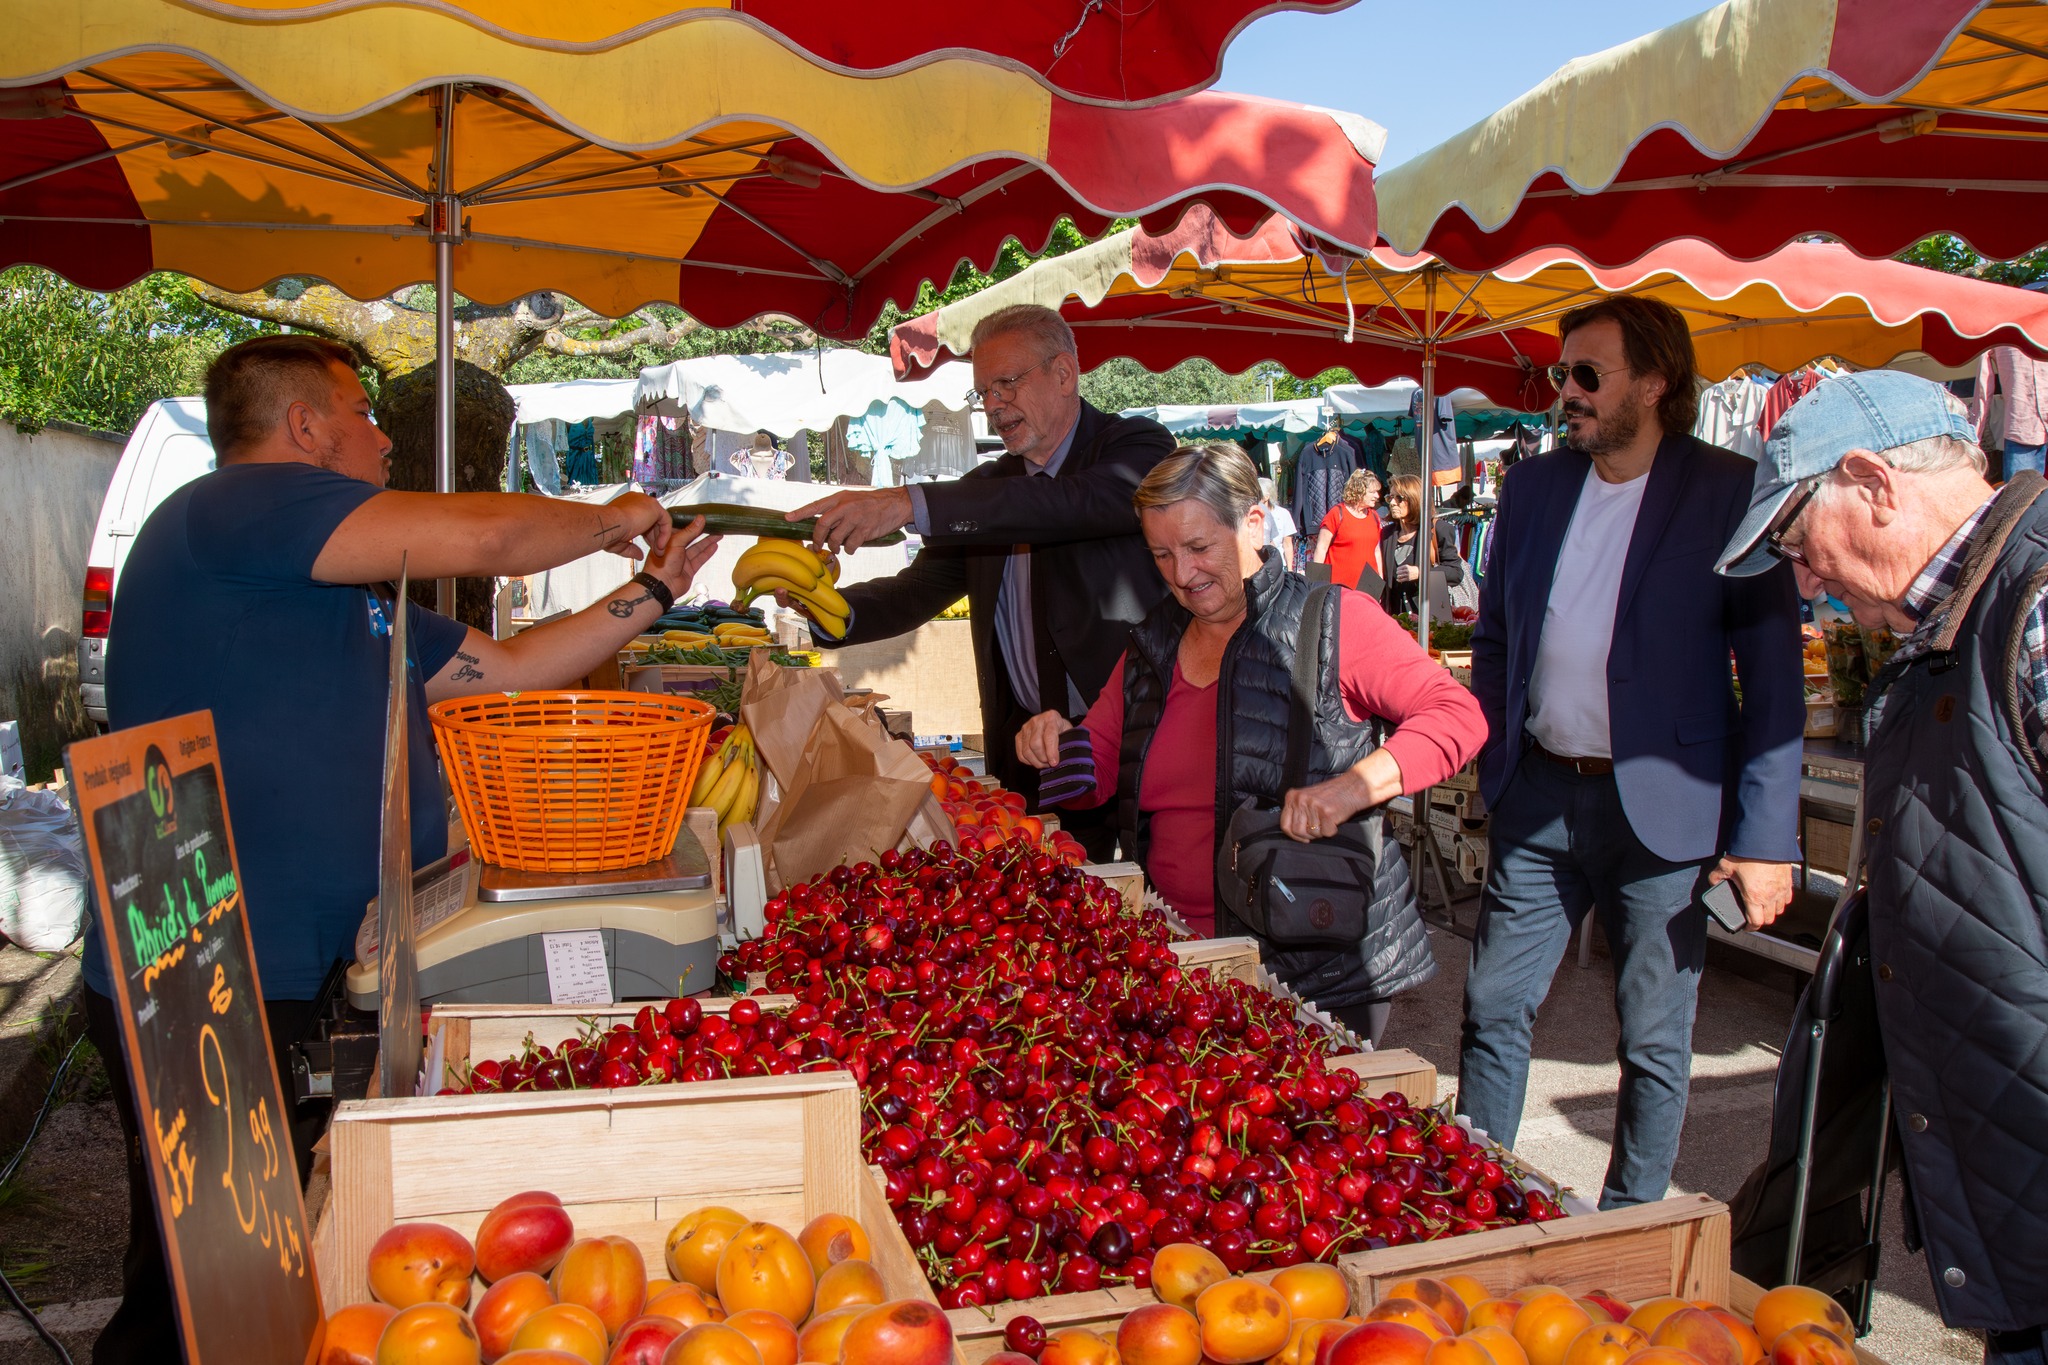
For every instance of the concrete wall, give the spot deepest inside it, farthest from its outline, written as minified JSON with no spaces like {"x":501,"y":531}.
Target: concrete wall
{"x":51,"y":487}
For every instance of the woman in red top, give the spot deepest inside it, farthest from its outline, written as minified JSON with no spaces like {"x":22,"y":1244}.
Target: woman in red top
{"x":1349,"y":541}
{"x":1198,"y":510}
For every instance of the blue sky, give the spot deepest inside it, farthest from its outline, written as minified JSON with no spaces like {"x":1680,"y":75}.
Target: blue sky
{"x":1426,"y":69}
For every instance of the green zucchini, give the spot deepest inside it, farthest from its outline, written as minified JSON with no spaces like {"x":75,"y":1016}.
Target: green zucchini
{"x":729,"y":519}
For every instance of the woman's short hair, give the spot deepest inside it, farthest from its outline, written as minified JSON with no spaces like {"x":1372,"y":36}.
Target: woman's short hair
{"x":1356,"y":487}
{"x":1408,"y":489}
{"x":249,"y":386}
{"x":1654,"y":340}
{"x":1218,"y":475}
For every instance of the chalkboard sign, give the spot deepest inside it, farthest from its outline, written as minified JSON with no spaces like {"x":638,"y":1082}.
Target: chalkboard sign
{"x":214,"y":1124}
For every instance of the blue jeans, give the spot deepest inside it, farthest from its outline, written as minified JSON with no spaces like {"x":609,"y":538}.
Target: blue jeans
{"x":2018,"y":457}
{"x":1561,"y":845}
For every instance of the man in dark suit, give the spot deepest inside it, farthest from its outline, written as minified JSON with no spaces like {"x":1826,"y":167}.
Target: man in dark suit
{"x":1623,"y":773}
{"x":1043,"y":542}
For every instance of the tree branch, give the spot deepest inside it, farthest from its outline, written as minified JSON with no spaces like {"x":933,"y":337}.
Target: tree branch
{"x":558,"y":342}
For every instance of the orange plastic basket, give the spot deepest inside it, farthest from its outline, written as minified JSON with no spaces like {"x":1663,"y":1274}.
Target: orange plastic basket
{"x":571,"y":781}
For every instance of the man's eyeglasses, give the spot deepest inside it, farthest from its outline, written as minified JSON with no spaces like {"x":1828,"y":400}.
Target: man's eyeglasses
{"x":1003,"y":390}
{"x":1774,"y":539}
{"x":1582,"y":374}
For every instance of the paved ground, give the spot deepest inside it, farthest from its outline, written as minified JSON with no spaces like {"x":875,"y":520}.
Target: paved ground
{"x":67,"y":1222}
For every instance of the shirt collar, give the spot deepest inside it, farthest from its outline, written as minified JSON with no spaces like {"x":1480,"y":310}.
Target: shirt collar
{"x":1938,"y":578}
{"x":1059,"y":456}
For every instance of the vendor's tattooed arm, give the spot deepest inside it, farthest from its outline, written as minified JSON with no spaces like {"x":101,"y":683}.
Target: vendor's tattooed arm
{"x":466,"y":669}
{"x":624,"y":607}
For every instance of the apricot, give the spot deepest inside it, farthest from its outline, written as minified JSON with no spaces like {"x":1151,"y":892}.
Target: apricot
{"x":1598,"y":1311}
{"x":1160,"y":1334}
{"x":1663,"y":1355}
{"x":1306,"y":1337}
{"x":644,"y":1340}
{"x":848,"y":1282}
{"x":1468,"y":1289}
{"x":429,"y":1334}
{"x":1078,"y":1346}
{"x":1436,"y":1296}
{"x":1789,"y":1305}
{"x":819,"y":1340}
{"x":763,"y":1267}
{"x":1605,"y":1343}
{"x":605,"y":1275}
{"x":566,"y":1327}
{"x":1649,"y":1315}
{"x":712,"y":1343}
{"x":1690,"y":1329}
{"x":697,"y":1241}
{"x":905,"y":1332}
{"x":1419,"y":1316}
{"x":524,"y":1232}
{"x":686,"y":1304}
{"x":1457,"y":1351}
{"x":505,"y":1306}
{"x":1380,"y":1343}
{"x":1500,"y":1343}
{"x":1242,"y":1321}
{"x":1493,"y":1313}
{"x":1182,"y":1270}
{"x":773,"y":1335}
{"x":1809,"y":1343}
{"x":831,"y":1238}
{"x":352,"y":1332}
{"x":1547,"y":1325}
{"x":542,"y":1358}
{"x":1314,"y":1289}
{"x":1745,"y":1335}
{"x":421,"y":1263}
{"x":1616,"y":1308}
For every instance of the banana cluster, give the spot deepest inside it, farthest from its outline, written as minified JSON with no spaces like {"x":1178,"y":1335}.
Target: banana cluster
{"x":790,"y":566}
{"x":730,"y":780}
{"x":739,"y":635}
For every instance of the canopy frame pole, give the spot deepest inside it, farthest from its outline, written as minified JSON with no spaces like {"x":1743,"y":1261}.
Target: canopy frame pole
{"x":444,"y":221}
{"x":1425,"y":441}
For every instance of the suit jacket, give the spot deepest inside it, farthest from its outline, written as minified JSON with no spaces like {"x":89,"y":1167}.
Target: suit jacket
{"x":1089,"y":565}
{"x":1700,"y":773}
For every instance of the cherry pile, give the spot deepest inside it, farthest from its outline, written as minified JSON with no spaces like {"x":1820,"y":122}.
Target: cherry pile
{"x":1049,"y":1094}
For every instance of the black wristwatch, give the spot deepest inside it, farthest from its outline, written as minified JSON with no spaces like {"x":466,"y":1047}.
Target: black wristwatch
{"x":656,"y":589}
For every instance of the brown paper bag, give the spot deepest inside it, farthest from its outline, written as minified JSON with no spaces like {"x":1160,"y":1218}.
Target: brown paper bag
{"x":855,"y":795}
{"x":780,"y":707}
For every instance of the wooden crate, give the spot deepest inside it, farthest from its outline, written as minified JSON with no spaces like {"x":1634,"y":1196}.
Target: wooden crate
{"x":781,"y":1149}
{"x":466,"y":1034}
{"x":1742,"y":1297}
{"x":1127,"y":878}
{"x":1675,"y":1246}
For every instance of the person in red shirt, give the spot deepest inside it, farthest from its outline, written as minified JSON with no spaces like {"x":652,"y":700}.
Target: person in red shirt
{"x":1198,"y":703}
{"x":1349,"y":540}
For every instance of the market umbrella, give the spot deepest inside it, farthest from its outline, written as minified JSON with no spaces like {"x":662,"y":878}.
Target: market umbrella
{"x":703,"y":164}
{"x":1087,"y":50}
{"x":1202,"y":289}
{"x":1875,"y":122}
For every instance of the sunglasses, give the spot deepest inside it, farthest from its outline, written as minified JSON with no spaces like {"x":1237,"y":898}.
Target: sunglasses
{"x":1781,"y":525}
{"x":1582,"y":374}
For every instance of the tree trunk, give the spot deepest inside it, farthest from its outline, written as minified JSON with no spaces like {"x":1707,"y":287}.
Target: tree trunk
{"x":483,"y":425}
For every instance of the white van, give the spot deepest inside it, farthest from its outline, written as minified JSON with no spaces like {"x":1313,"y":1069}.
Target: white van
{"x":167,"y":450}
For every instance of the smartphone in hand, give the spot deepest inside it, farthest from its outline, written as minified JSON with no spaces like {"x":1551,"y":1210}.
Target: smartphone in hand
{"x":1724,"y":903}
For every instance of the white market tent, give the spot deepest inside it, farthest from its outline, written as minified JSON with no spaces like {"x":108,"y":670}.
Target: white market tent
{"x":573,"y":400}
{"x":1267,"y":421}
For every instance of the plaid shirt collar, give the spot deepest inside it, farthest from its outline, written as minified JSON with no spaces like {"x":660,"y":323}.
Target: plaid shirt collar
{"x":1938,"y":579}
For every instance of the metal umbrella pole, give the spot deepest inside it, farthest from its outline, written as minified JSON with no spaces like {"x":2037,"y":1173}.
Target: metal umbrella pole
{"x":1425,"y":441}
{"x":444,"y":219}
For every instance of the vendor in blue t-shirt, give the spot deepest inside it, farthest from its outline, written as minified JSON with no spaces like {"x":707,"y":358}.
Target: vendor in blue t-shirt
{"x":264,"y":592}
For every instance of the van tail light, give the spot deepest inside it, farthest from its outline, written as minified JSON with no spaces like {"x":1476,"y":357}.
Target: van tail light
{"x":99,"y":602}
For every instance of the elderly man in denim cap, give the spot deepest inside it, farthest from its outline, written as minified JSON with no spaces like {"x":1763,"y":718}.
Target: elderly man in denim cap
{"x":1873,"y":487}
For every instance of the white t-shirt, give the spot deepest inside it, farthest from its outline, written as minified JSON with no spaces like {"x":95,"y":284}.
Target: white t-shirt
{"x":1279,"y":524}
{"x":1568,"y":687}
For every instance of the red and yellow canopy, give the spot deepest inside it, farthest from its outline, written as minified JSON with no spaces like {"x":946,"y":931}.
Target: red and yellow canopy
{"x":1874,"y":121}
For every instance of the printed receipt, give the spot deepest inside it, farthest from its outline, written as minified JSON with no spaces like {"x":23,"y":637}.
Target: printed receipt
{"x":577,"y":971}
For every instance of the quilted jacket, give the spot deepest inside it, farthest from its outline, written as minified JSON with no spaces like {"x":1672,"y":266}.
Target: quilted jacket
{"x":1958,"y":871}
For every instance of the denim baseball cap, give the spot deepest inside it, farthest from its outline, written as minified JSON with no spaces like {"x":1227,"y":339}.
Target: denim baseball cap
{"x":1877,"y":410}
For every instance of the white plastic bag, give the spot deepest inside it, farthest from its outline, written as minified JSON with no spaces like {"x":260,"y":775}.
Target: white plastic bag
{"x":43,"y":872}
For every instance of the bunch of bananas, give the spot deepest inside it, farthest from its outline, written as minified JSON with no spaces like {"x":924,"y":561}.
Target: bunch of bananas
{"x":730,"y":780}
{"x":739,"y":635}
{"x":795,"y":568}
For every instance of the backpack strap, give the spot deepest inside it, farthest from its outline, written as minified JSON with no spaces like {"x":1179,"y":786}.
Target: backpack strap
{"x":1302,"y":689}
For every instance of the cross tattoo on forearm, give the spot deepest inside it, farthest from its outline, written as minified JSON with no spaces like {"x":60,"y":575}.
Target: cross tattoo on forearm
{"x":624,"y":607}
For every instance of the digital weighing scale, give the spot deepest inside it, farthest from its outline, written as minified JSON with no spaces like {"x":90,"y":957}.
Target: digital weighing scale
{"x":483,"y":933}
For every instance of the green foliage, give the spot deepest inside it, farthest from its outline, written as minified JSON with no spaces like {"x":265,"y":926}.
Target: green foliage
{"x":1953,"y":256}
{"x":71,"y":355}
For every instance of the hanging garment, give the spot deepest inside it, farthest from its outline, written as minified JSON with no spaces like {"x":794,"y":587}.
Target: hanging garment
{"x":891,"y":432}
{"x":1445,"y":468}
{"x":1319,"y":474}
{"x":544,"y":442}
{"x":2023,"y":383}
{"x":1731,"y":413}
{"x":1372,"y":452}
{"x":1789,"y":389}
{"x":581,"y":464}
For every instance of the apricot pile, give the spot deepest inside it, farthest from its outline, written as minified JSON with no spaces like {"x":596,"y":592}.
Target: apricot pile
{"x":1207,"y":1316}
{"x":735,"y":1292}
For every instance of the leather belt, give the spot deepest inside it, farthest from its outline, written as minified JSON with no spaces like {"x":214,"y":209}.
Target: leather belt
{"x":1584,"y":767}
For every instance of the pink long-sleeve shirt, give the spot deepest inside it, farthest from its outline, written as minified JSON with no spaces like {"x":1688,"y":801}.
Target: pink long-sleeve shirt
{"x":1438,"y":727}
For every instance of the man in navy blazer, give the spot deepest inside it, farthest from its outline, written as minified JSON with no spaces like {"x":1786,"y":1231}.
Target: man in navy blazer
{"x":1623,"y":773}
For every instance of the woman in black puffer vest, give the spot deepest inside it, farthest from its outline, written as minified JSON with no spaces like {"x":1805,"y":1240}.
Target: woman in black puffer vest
{"x":1207,"y":673}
